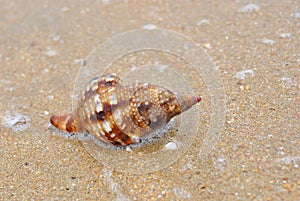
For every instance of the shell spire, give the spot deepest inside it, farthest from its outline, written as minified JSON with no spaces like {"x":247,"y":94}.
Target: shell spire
{"x":123,"y":114}
{"x":187,"y":101}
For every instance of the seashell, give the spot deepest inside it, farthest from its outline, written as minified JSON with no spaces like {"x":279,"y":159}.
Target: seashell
{"x":120,"y":114}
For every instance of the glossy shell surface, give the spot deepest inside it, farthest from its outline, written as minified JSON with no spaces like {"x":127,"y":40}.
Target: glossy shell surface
{"x":123,"y":114}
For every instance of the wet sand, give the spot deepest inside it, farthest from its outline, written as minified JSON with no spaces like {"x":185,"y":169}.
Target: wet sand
{"x":255,"y":48}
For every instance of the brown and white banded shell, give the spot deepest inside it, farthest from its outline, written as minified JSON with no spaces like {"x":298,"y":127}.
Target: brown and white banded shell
{"x":121,"y":114}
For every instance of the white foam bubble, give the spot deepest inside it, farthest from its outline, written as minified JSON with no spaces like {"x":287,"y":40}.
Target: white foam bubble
{"x":81,"y":136}
{"x":80,"y":61}
{"x":50,"y":52}
{"x":250,"y":8}
{"x":203,"y":22}
{"x":220,"y":164}
{"x":162,"y":68}
{"x":65,"y":9}
{"x":296,"y":15}
{"x":106,"y":2}
{"x":289,"y":159}
{"x":244,"y":74}
{"x":285,"y":35}
{"x":182,"y":193}
{"x":149,"y":26}
{"x":133,"y":68}
{"x":171,"y":145}
{"x":56,"y":38}
{"x":268,"y":41}
{"x":46,"y":70}
{"x":16,"y":122}
{"x":287,"y":81}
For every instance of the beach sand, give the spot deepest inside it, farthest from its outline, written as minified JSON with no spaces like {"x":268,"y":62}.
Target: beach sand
{"x":255,"y":50}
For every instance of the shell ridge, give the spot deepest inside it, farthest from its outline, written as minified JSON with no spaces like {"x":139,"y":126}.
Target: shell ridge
{"x":123,"y":114}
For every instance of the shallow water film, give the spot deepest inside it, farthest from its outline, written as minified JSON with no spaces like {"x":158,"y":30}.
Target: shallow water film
{"x":241,"y":142}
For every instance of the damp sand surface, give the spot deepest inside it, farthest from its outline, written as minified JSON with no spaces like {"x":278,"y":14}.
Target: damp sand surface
{"x":255,"y":48}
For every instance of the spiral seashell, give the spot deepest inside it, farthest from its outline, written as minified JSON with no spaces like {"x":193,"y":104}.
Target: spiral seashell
{"x":121,"y":114}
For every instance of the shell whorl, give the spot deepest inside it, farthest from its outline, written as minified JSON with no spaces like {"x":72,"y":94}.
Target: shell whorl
{"x":121,"y":114}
